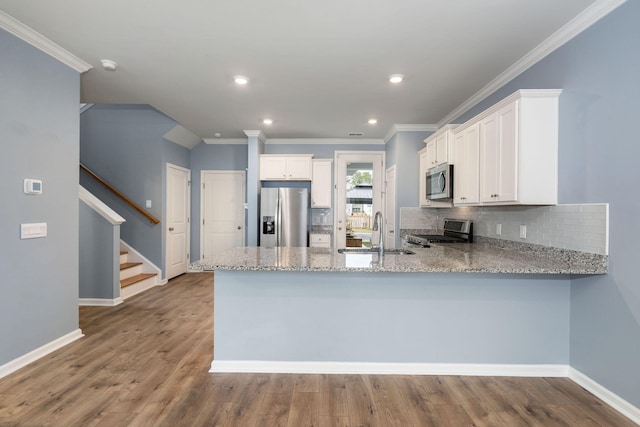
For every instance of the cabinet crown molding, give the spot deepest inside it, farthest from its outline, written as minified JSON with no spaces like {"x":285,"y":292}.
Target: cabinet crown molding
{"x":519,"y":94}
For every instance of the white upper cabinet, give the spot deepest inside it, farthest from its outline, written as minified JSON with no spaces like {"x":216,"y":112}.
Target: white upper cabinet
{"x":292,"y":167}
{"x":466,"y":168}
{"x":321,"y":187}
{"x":499,"y":156}
{"x":439,"y":147}
{"x":517,"y":149}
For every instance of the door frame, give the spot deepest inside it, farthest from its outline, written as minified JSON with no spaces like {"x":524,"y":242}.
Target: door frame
{"x":188,"y":209}
{"x":390,"y":203}
{"x":243,"y":174}
{"x":377,"y":159}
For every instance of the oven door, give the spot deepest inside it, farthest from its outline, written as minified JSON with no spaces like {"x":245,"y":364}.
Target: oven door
{"x":439,"y":183}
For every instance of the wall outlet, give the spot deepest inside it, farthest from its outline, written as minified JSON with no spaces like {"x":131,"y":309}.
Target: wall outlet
{"x":523,"y":231}
{"x":499,"y":229}
{"x":148,"y":204}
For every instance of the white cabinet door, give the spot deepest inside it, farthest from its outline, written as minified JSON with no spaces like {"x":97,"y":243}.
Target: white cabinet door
{"x":499,"y":156}
{"x":431,"y":154}
{"x":442,"y":148}
{"x":489,"y":158}
{"x":466,"y":171}
{"x":285,"y":168}
{"x":273,"y":168}
{"x":321,"y":194}
{"x":509,"y":143}
{"x":422,"y":197}
{"x":299,"y":168}
{"x":317,"y":240}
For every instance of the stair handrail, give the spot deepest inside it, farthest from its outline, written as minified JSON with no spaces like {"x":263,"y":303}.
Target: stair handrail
{"x":115,"y":191}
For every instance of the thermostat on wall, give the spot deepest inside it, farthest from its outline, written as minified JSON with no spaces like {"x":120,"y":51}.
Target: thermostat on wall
{"x":32,"y":186}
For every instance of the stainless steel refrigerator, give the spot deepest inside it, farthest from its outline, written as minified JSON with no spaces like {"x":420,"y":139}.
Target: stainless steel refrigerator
{"x":284,"y":214}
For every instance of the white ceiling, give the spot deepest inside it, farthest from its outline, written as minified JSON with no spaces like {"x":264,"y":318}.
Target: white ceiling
{"x":319,"y":69}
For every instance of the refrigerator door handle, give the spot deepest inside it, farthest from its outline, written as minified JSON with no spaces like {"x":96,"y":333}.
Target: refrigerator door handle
{"x":278,"y":223}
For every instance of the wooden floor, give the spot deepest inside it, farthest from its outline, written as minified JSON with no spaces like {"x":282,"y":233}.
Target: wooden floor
{"x":145,"y":362}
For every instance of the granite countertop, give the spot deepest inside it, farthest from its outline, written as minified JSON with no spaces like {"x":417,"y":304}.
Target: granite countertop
{"x":445,"y":258}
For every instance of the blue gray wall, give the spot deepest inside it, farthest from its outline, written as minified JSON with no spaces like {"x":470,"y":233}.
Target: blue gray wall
{"x":401,"y":151}
{"x":391,"y":317}
{"x":124,"y":145}
{"x":598,"y":162}
{"x":210,"y":157}
{"x":99,"y":255}
{"x":39,"y":105}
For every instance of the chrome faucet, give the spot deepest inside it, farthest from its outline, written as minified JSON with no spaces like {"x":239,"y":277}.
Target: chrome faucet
{"x":379,"y":226}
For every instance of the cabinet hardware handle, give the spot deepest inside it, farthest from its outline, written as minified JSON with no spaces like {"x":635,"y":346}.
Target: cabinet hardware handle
{"x":170,"y":228}
{"x":239,"y":228}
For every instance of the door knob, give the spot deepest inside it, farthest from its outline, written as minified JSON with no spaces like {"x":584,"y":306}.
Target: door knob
{"x":170,"y":228}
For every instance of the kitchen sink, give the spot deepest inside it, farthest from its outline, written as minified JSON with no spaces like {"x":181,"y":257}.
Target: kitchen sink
{"x":375,"y":251}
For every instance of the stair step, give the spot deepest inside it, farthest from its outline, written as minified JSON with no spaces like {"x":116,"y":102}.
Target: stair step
{"x":135,"y":279}
{"x":126,"y":265}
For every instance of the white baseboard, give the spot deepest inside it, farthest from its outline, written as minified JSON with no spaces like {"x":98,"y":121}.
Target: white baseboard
{"x":100,"y":302}
{"x":39,"y":352}
{"x":344,"y":368}
{"x":606,"y":395}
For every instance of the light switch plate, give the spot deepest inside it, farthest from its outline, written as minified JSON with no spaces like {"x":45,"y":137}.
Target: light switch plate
{"x":33,"y":230}
{"x":499,"y":229}
{"x":148,"y":204}
{"x":523,"y":231}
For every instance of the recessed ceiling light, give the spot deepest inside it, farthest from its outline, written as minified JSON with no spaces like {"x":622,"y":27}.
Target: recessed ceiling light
{"x":109,"y":65}
{"x":241,"y":80}
{"x":396,"y":78}
{"x":217,"y":135}
{"x":373,"y":121}
{"x":267,"y":121}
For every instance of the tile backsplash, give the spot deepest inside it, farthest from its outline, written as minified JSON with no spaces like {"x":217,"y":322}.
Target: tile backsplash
{"x":582,"y":228}
{"x":321,"y":216}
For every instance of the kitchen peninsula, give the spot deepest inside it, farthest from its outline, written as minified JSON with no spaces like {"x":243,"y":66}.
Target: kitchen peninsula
{"x":456,"y":308}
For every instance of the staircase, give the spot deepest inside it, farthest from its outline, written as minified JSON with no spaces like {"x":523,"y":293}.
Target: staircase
{"x":133,"y":279}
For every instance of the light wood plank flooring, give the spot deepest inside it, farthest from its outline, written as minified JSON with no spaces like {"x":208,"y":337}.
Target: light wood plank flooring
{"x":145,"y":362}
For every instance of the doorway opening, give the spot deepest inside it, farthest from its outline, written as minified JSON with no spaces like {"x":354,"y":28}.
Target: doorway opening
{"x":359,"y":194}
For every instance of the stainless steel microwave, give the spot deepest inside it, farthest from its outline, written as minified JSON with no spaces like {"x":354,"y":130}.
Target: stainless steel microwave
{"x":439,"y":182}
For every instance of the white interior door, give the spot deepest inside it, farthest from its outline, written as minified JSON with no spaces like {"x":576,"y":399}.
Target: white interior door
{"x":178,"y":208}
{"x":343,"y":159}
{"x":222,"y":211}
{"x":390,"y":207}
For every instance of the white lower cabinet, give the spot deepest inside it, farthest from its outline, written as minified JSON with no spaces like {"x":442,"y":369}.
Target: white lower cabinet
{"x":319,"y":240}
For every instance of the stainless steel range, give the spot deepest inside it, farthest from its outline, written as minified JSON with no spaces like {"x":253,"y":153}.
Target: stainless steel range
{"x":455,"y":231}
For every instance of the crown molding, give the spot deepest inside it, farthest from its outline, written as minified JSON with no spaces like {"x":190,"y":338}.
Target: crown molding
{"x":408,"y":128}
{"x":225,"y":141}
{"x":256,"y":133}
{"x":584,"y":20}
{"x":326,"y":141}
{"x":37,"y":40}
